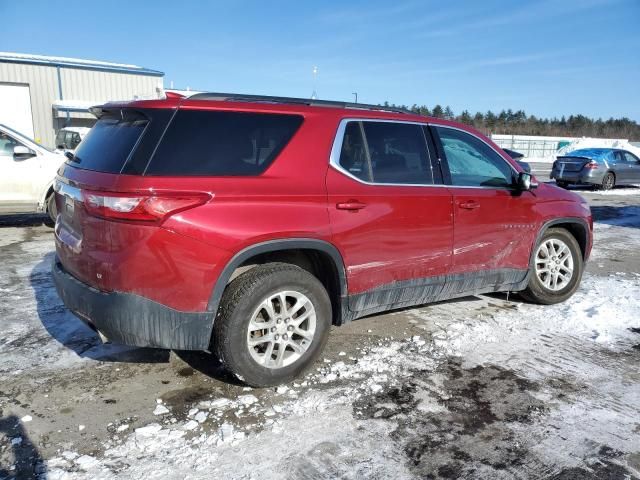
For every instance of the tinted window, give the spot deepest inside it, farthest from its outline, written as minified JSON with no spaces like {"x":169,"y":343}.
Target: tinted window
{"x":472,"y":162}
{"x":394,"y":153}
{"x":630,"y":158}
{"x":398,"y":153}
{"x":222,"y":143}
{"x":110,"y":142}
{"x":353,"y":156}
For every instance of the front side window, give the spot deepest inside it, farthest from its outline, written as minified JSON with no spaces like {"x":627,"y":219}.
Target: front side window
{"x":386,"y":153}
{"x":7,"y":144}
{"x":472,"y":162}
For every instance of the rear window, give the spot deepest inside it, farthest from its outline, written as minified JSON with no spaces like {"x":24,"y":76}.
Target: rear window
{"x":214,"y":143}
{"x":110,"y":142}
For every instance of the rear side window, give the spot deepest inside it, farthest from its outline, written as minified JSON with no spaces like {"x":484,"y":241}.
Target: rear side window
{"x":109,"y":143}
{"x":214,"y":143}
{"x":386,"y":152}
{"x":472,"y":162}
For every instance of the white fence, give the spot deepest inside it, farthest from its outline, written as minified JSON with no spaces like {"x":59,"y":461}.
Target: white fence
{"x":537,"y":147}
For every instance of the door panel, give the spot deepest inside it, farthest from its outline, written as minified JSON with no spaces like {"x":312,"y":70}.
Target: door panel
{"x":18,"y":185}
{"x":496,"y":234}
{"x":493,"y":223}
{"x":393,"y":227}
{"x":401,"y":233}
{"x":633,"y":167}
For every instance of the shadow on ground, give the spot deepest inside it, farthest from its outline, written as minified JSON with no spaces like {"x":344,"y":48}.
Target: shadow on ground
{"x":618,"y":215}
{"x":74,"y":334}
{"x":24,"y":460}
{"x":25,"y":220}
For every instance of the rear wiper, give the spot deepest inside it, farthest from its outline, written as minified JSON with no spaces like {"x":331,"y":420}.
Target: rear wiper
{"x":72,"y":157}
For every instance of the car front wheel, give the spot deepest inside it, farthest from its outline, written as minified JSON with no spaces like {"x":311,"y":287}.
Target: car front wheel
{"x":273,"y":322}
{"x":556,"y":268}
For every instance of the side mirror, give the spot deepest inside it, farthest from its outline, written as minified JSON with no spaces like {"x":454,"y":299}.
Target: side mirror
{"x":22,"y":152}
{"x":525,"y":182}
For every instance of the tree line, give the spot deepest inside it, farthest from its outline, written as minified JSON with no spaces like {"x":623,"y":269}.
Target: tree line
{"x":519,"y":123}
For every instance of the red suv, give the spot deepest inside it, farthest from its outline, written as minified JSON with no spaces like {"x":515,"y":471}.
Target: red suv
{"x":248,"y":225}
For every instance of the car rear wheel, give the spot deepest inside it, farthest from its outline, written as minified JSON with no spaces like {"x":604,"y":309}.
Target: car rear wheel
{"x":562,"y":184}
{"x":608,"y":181}
{"x":273,"y":322}
{"x":556,"y":268}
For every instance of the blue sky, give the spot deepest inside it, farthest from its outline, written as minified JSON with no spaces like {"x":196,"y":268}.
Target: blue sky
{"x":548,"y":57}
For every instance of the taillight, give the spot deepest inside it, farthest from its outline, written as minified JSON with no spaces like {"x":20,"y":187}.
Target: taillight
{"x":152,"y":208}
{"x":591,"y":165}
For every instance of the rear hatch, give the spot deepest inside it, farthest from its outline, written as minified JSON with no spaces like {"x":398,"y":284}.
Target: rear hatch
{"x":571,"y":164}
{"x":84,"y":243}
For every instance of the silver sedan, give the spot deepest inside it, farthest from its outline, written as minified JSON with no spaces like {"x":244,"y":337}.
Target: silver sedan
{"x":601,"y":167}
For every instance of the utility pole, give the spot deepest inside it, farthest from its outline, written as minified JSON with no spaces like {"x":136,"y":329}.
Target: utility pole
{"x":355,"y":94}
{"x":314,"y":95}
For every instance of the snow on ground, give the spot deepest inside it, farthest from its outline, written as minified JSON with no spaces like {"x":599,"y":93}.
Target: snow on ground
{"x":363,"y":417}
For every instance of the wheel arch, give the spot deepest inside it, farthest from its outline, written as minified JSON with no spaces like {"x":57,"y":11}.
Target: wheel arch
{"x":336,"y":283}
{"x":577,"y":227}
{"x":43,"y":198}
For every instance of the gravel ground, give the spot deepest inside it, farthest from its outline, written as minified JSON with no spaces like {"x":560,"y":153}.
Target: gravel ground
{"x":482,"y":387}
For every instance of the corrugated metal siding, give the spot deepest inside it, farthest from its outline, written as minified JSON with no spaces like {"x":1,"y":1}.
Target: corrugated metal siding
{"x":77,"y":84}
{"x":43,"y":87}
{"x":80,"y":84}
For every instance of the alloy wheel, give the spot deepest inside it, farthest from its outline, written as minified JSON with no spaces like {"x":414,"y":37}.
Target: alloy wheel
{"x":554,"y":264}
{"x":281,"y":329}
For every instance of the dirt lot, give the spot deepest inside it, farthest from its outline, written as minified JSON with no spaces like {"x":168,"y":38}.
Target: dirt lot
{"x":483,"y":387}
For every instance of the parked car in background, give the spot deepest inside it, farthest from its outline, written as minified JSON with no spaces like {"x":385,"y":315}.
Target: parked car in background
{"x":248,"y":225}
{"x":603,"y":168}
{"x":28,"y":171}
{"x":517,"y":156}
{"x":68,"y":138}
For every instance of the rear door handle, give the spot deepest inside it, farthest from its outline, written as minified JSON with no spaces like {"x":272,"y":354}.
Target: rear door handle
{"x":469,"y":205}
{"x":352,"y":205}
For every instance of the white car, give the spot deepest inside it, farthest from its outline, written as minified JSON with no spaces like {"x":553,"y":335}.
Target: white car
{"x":68,"y":138}
{"x":28,"y":171}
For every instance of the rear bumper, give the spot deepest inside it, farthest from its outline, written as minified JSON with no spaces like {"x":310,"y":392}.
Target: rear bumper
{"x":586,"y":177}
{"x":131,"y":319}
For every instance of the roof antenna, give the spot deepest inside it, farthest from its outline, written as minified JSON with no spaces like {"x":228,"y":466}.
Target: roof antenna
{"x":314,"y":95}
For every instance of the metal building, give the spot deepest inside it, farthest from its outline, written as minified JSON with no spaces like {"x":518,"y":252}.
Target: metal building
{"x":41,"y":94}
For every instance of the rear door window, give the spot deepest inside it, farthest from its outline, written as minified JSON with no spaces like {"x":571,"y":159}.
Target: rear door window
{"x":110,"y":142}
{"x":472,"y":162}
{"x":630,"y":158}
{"x":215,"y":143}
{"x":398,"y":153}
{"x":386,"y":153}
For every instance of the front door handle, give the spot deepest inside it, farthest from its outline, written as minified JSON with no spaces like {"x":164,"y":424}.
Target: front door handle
{"x":469,"y":205}
{"x":351,"y":205}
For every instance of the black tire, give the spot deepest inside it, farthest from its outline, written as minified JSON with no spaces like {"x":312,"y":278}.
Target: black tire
{"x":240,"y":300}
{"x":608,"y":181}
{"x":536,"y":292}
{"x":52,"y":209}
{"x":562,"y":184}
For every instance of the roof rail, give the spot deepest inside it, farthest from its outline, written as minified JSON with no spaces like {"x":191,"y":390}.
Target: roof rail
{"x":239,"y":97}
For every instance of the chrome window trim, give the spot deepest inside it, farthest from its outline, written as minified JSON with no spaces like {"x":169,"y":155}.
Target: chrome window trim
{"x":336,"y":148}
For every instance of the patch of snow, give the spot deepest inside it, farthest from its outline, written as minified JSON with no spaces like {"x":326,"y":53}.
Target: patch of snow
{"x":160,"y":410}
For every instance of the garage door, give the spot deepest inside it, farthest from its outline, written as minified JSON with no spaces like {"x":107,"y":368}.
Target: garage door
{"x":15,"y":108}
